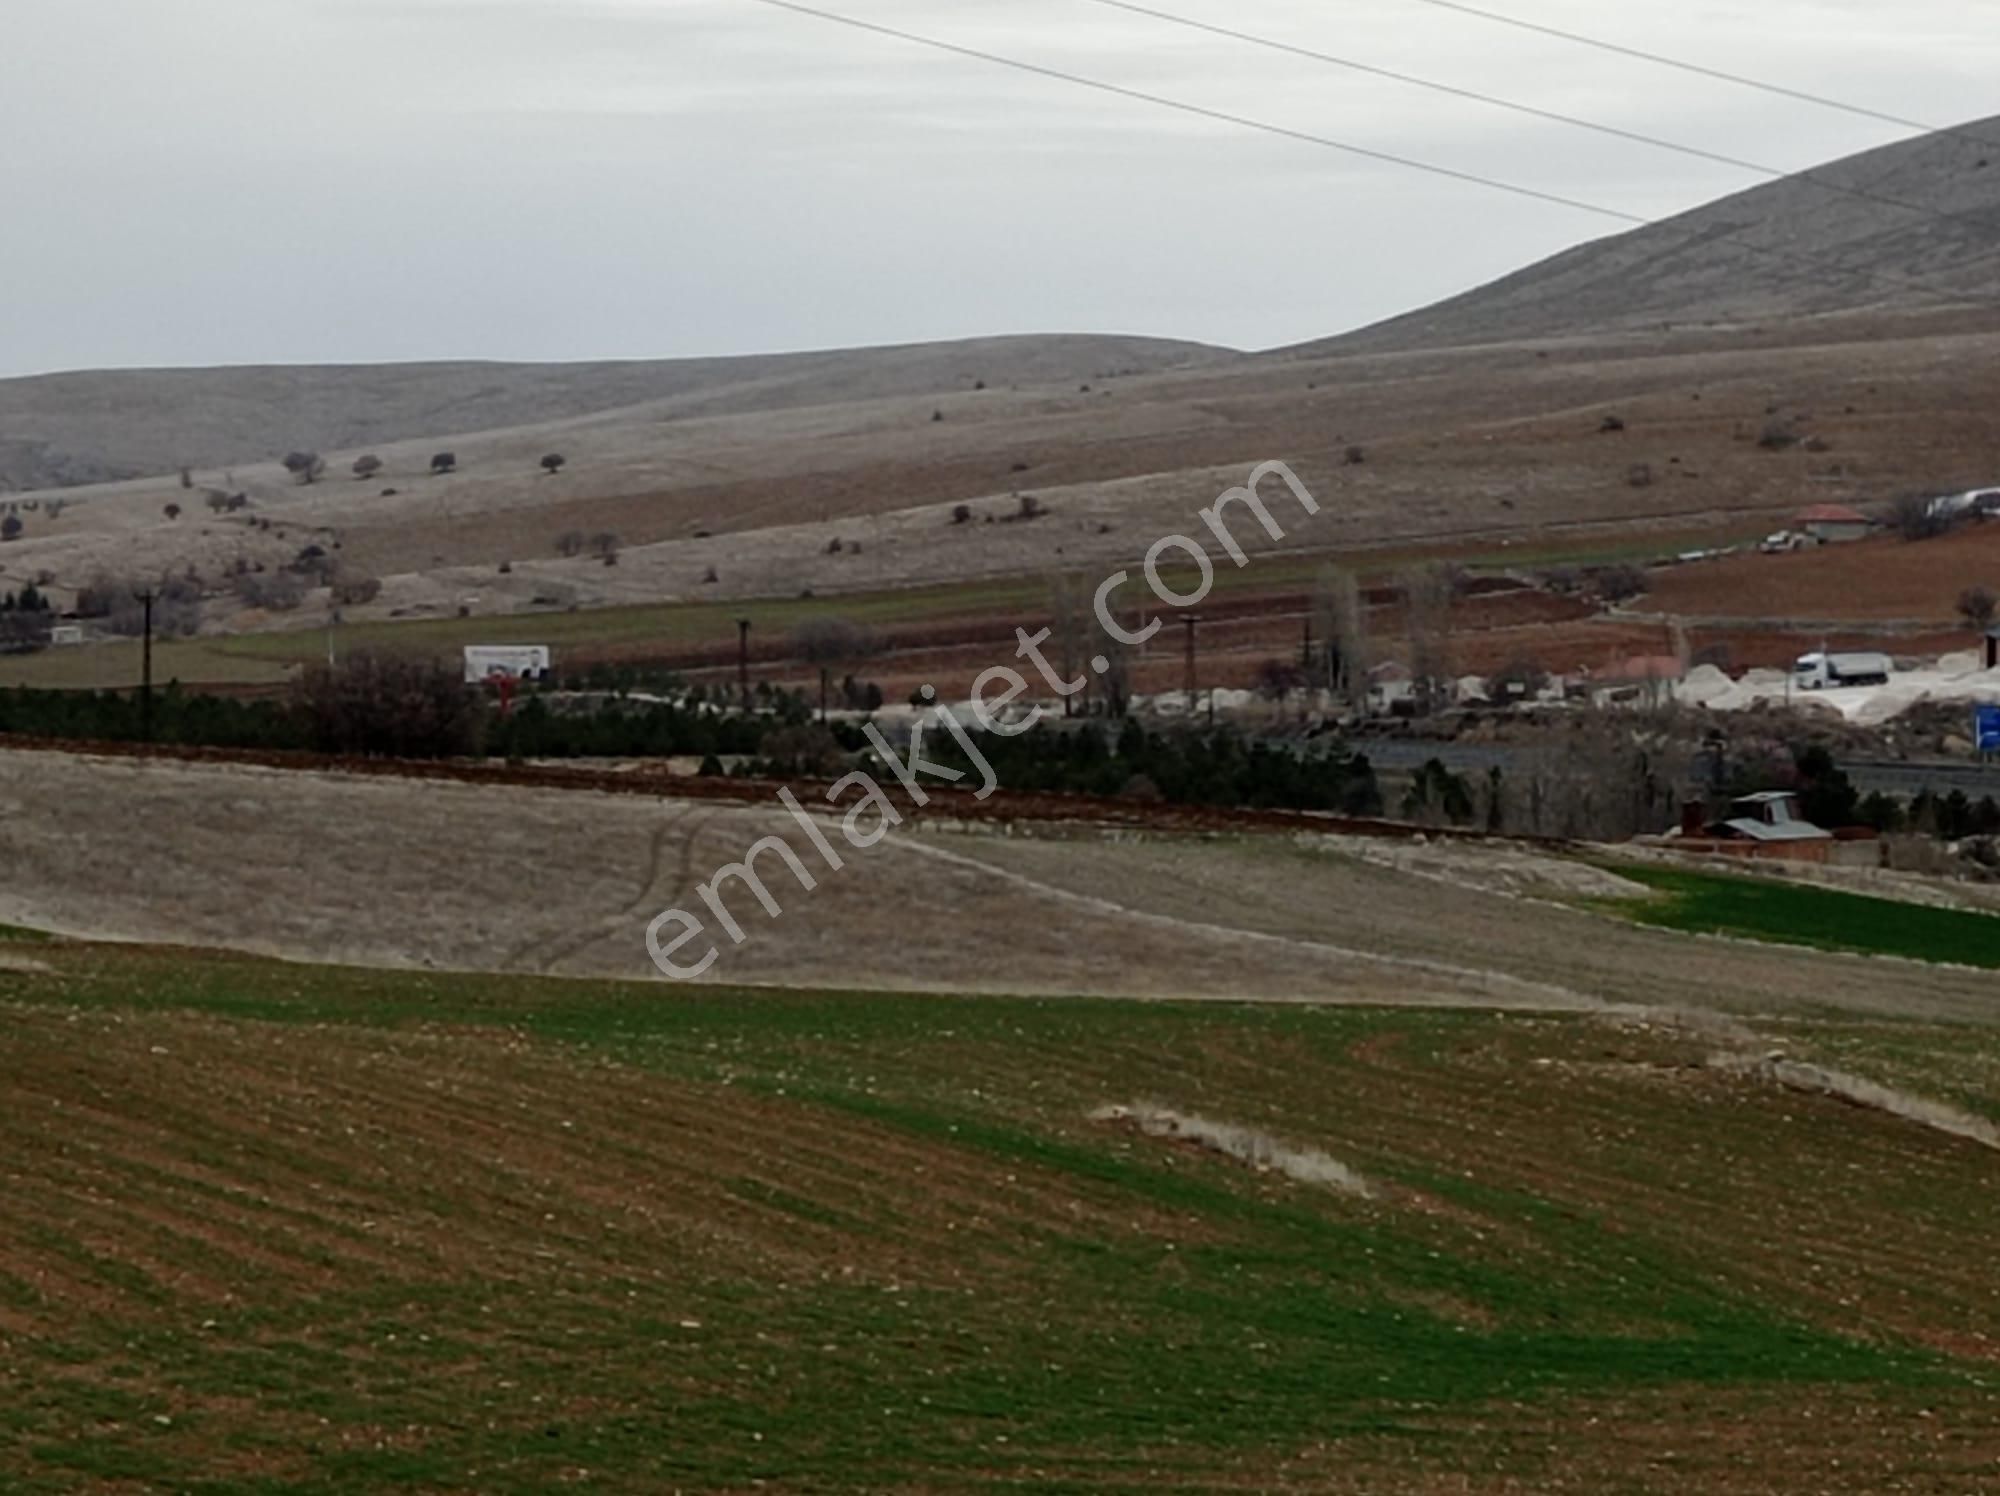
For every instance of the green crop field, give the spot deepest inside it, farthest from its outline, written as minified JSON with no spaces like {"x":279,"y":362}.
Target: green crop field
{"x":1800,"y":914}
{"x":273,"y":1228}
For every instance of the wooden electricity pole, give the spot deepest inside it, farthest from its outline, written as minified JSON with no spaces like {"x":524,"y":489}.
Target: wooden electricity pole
{"x":1190,"y":620}
{"x":146,"y":668}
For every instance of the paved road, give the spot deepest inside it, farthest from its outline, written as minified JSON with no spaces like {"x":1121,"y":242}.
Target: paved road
{"x":1909,"y":779}
{"x":1904,"y":779}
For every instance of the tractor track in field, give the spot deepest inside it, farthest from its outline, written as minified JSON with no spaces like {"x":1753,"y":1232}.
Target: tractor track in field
{"x":1518,"y":991}
{"x":689,"y":825}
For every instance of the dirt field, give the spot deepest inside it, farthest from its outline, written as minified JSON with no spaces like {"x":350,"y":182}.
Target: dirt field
{"x":325,"y":867}
{"x":1884,"y":580}
{"x":334,"y":867}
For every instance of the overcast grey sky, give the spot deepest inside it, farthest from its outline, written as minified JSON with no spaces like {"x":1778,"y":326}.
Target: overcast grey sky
{"x":305,"y":181}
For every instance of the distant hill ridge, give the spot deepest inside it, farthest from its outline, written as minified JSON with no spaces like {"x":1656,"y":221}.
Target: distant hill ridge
{"x":58,"y":430}
{"x":1786,"y":249}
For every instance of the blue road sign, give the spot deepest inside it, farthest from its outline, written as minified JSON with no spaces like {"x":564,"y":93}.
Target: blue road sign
{"x":1986,"y":728}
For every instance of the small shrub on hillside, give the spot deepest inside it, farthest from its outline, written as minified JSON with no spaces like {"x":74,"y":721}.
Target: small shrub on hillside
{"x":352,"y":592}
{"x":280,"y":592}
{"x":1616,"y":584}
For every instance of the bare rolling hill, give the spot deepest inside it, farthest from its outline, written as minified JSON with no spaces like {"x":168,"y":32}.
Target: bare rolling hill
{"x":1482,"y":421}
{"x":62,"y":430}
{"x":1905,"y":228}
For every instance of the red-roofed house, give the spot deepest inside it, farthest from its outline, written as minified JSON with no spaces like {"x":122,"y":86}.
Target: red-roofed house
{"x":1828,"y":523}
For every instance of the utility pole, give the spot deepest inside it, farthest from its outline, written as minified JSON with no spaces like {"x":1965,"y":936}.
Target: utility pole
{"x":1189,"y":620}
{"x":146,"y":669}
{"x":743,"y":660}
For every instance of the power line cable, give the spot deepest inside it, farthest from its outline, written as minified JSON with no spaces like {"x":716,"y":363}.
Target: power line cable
{"x":1776,"y":173}
{"x":1214,"y":114}
{"x":1949,"y":296}
{"x":1700,"y":70}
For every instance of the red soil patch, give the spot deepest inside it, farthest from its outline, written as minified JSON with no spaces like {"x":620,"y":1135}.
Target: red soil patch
{"x":1883,"y":580}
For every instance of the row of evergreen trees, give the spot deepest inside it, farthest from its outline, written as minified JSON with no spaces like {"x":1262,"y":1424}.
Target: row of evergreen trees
{"x":1216,"y":768}
{"x":359,"y":710}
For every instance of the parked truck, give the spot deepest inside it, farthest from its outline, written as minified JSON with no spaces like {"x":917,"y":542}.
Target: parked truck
{"x":1823,"y":670}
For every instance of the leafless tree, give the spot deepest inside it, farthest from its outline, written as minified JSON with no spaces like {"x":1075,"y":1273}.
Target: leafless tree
{"x":377,"y":704}
{"x":1340,"y":622}
{"x":1069,"y":627}
{"x":1917,"y":517}
{"x":1977,"y":605}
{"x":1357,"y":654}
{"x":1114,"y":681}
{"x":368,"y":466}
{"x":275,"y":592}
{"x":569,"y":543}
{"x":1428,"y":597}
{"x":1278,"y":679}
{"x":829,"y":643}
{"x":116,"y":600}
{"x":1606,"y":778}
{"x":1323,"y":620}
